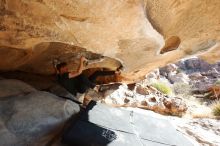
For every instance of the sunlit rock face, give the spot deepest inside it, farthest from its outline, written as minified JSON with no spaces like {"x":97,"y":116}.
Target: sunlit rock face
{"x":195,"y":22}
{"x":139,"y":34}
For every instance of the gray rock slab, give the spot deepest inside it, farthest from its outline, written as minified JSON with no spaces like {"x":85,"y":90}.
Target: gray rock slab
{"x":158,"y":131}
{"x":33,"y":119}
{"x":106,"y":115}
{"x":101,"y":125}
{"x":12,"y":87}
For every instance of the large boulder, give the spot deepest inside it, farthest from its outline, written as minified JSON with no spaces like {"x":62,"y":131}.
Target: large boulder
{"x":170,"y":68}
{"x":217,"y":66}
{"x":193,"y":21}
{"x":11,"y":87}
{"x":155,"y":74}
{"x":180,"y":77}
{"x":213,"y":73}
{"x":6,"y":137}
{"x":192,"y":65}
{"x":130,"y":32}
{"x":197,"y":76}
{"x":60,"y":91}
{"x":31,"y":39}
{"x":33,"y":119}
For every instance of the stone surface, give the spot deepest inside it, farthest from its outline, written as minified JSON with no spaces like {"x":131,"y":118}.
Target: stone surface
{"x":180,"y":77}
{"x":39,"y":82}
{"x":58,"y":90}
{"x":171,"y":44}
{"x":196,"y":76}
{"x":141,"y":90}
{"x":130,"y":32}
{"x":12,"y":87}
{"x":194,"y":72}
{"x":122,"y":127}
{"x":33,"y":119}
{"x":200,"y":131}
{"x":96,"y":26}
{"x":194,"y":64}
{"x":155,"y":74}
{"x":170,"y":68}
{"x":146,"y":97}
{"x":194,"y":22}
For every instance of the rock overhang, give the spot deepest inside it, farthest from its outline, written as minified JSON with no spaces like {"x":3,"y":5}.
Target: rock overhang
{"x":140,"y":35}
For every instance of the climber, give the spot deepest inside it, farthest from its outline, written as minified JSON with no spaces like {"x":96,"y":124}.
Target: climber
{"x":75,"y":82}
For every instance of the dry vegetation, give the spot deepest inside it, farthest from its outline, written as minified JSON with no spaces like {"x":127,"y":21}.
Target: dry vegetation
{"x":162,"y":87}
{"x":216,"y":108}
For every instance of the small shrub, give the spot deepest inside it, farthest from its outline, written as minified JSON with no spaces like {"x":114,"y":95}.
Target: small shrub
{"x":179,"y":70}
{"x":216,"y":108}
{"x":182,"y":89}
{"x":217,"y":82}
{"x":162,"y":88}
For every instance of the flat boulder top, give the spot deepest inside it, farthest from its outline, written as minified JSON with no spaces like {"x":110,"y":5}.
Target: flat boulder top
{"x":115,"y":126}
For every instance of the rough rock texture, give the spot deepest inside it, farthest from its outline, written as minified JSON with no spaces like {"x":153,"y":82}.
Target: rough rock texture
{"x":10,"y":87}
{"x":146,"y":97}
{"x":110,"y":28}
{"x":31,"y":117}
{"x":194,"y":21}
{"x":171,"y":44}
{"x":203,"y":131}
{"x":195,"y":73}
{"x":39,"y":82}
{"x":121,"y":30}
{"x":200,"y":131}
